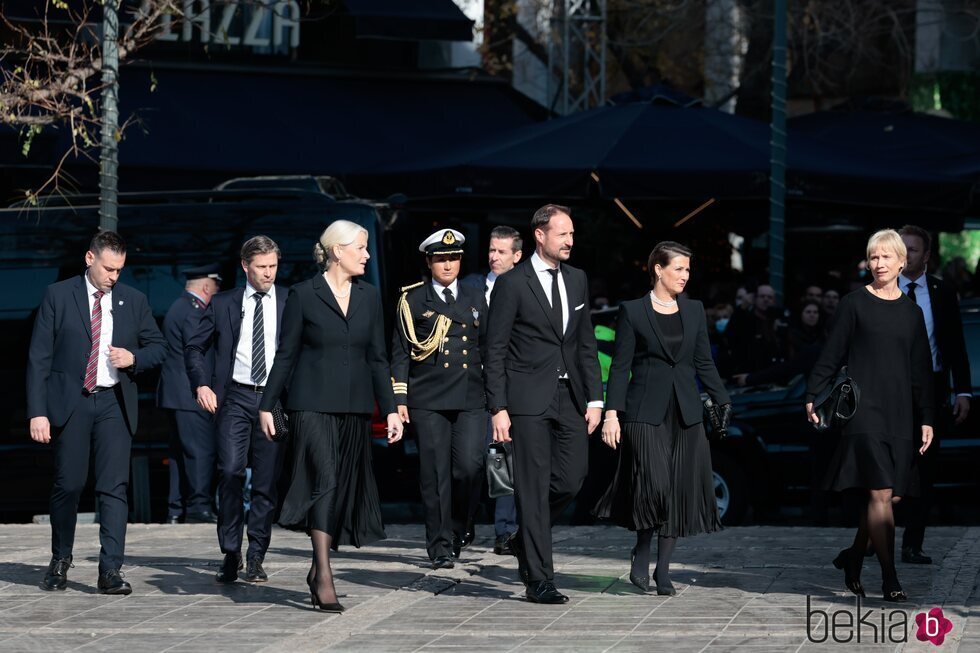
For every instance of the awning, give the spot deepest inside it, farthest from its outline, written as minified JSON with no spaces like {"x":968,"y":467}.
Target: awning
{"x":415,"y":20}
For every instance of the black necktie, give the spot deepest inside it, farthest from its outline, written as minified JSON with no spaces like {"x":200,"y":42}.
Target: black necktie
{"x":911,"y":291}
{"x":258,"y":342}
{"x":556,"y":308}
{"x":448,"y":294}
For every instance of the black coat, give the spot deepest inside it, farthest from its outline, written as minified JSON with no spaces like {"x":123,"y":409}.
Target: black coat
{"x":656,"y":373}
{"x":331,"y":363}
{"x":452,"y":377}
{"x":174,"y":389}
{"x":218,"y":329}
{"x":62,"y":339}
{"x":525,"y":351}
{"x":948,"y":330}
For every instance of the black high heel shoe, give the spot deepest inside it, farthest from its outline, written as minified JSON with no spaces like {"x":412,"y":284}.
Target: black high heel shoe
{"x":893,"y":593}
{"x":334,"y":607}
{"x":843,"y":561}
{"x":663,"y":590}
{"x":643,"y":582}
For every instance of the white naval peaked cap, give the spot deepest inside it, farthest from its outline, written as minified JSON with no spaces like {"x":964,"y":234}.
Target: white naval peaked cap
{"x":444,"y":241}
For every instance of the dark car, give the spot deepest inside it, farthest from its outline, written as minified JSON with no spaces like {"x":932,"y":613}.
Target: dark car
{"x":165,"y":233}
{"x":773,"y":458}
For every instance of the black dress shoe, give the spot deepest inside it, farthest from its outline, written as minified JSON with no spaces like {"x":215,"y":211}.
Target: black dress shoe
{"x":229,"y":568}
{"x":852,"y":571}
{"x":468,"y":536}
{"x":111,"y":582}
{"x":56,"y":577}
{"x":203,"y":517}
{"x":457,"y":545}
{"x":254,"y":573}
{"x":893,"y":593}
{"x":504,"y":546}
{"x":544,"y":591}
{"x":915,"y":557}
{"x":443,"y":562}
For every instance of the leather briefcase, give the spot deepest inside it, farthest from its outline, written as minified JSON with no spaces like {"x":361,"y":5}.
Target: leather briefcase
{"x":500,"y":470}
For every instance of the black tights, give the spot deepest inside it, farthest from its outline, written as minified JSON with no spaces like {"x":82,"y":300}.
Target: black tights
{"x":320,"y":578}
{"x":641,"y":556}
{"x":877,"y":525}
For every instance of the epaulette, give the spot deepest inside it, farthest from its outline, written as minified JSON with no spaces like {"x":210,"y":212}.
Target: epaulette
{"x":414,"y":285}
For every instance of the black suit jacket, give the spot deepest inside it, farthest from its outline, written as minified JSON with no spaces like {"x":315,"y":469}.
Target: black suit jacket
{"x":948,"y":330}
{"x":62,"y":340}
{"x":219,"y":329}
{"x":452,"y":377}
{"x":656,"y":373}
{"x":174,"y":389}
{"x":525,"y":351}
{"x":331,"y":363}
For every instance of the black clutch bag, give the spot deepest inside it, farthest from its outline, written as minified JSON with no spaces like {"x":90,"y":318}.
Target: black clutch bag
{"x":500,"y":471}
{"x":719,"y":417}
{"x":838,"y":402}
{"x":281,"y":422}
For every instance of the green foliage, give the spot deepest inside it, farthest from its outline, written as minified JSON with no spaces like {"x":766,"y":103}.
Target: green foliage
{"x":965,"y":243}
{"x":955,"y":91}
{"x":28,"y":135}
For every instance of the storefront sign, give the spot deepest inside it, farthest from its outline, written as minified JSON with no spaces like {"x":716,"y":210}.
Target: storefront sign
{"x":250,"y":23}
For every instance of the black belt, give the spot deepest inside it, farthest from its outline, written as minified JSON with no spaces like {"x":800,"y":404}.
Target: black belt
{"x":96,"y":390}
{"x":250,"y":386}
{"x":565,"y":380}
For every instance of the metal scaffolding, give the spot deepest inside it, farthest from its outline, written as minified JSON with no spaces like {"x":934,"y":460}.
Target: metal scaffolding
{"x":577,"y":55}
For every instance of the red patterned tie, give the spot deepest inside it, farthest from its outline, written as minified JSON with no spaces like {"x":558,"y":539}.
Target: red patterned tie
{"x":92,"y":369}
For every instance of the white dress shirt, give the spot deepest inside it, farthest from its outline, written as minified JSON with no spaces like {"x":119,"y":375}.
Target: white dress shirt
{"x":106,"y":375}
{"x":454,"y":287}
{"x":541,"y":269}
{"x":243,"y":354}
{"x":488,"y":285}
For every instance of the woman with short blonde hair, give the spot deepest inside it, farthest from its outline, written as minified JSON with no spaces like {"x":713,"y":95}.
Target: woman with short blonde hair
{"x":880,"y":335}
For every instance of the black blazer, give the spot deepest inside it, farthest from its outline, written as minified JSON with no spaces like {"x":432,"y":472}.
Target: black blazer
{"x":451,"y":378}
{"x":174,"y":389}
{"x":524,"y":350}
{"x":219,"y":329}
{"x":948,"y":329}
{"x":331,"y":363}
{"x":62,"y":340}
{"x":656,"y":373}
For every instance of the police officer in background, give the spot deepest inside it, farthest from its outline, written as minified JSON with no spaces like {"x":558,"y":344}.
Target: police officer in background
{"x":437,"y":376}
{"x":192,"y":443}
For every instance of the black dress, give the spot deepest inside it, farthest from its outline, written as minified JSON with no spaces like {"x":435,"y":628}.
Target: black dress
{"x":886,"y":350}
{"x":663,"y":479}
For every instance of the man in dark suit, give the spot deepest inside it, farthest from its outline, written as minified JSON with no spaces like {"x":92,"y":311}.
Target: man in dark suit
{"x":543,"y":382}
{"x":242,"y":326}
{"x":941,"y":310}
{"x":437,"y":378}
{"x":192,"y":445}
{"x":92,"y":335}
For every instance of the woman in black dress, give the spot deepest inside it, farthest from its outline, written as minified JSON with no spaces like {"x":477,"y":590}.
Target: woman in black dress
{"x":332,"y":353}
{"x":663,"y":482}
{"x":880,"y":335}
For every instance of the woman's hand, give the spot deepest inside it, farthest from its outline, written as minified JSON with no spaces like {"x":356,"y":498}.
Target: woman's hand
{"x":810,"y":415}
{"x":926,"y":438}
{"x":610,"y":429}
{"x":268,"y":426}
{"x":395,"y":428}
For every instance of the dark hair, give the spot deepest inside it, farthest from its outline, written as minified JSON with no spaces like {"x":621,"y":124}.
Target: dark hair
{"x":662,"y":253}
{"x":543,"y":215}
{"x":109,"y":240}
{"x":809,"y":302}
{"x":259,"y":245}
{"x":504,"y":233}
{"x":913,"y":230}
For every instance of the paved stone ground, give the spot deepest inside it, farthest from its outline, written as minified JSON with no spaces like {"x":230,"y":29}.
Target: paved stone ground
{"x":744,"y":589}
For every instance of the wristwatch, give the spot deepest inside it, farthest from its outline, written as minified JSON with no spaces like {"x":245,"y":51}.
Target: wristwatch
{"x":494,"y":411}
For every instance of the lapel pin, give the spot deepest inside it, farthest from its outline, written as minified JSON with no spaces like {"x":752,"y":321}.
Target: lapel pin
{"x":121,"y":302}
{"x":428,"y":314}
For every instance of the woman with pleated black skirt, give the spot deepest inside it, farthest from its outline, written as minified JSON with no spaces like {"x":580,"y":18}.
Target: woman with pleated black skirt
{"x":663,"y":483}
{"x":332,"y":356}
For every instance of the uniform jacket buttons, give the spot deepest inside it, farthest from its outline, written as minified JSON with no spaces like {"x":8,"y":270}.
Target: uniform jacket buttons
{"x":446,"y":352}
{"x":464,"y":352}
{"x":445,"y":364}
{"x":464,"y":366}
{"x":464,"y":338}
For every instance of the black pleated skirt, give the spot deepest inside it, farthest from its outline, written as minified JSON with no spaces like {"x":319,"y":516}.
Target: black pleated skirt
{"x":332,"y":487}
{"x":873,"y":461}
{"x":663,"y":479}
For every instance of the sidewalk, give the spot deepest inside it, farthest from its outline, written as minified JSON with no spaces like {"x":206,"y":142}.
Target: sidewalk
{"x":744,"y":589}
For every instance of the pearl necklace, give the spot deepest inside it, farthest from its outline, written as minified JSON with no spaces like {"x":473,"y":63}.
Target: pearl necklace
{"x":337,"y":294}
{"x":660,"y":302}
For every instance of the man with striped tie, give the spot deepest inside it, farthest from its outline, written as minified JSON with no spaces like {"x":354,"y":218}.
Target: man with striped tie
{"x":242,"y":326}
{"x":92,"y":336}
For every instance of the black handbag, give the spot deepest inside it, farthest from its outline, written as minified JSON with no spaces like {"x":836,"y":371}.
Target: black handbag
{"x":719,"y":417}
{"x":500,"y":470}
{"x":281,"y":422}
{"x":838,"y":402}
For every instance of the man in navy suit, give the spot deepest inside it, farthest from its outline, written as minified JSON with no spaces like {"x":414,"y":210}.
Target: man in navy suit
{"x":92,"y":336}
{"x":242,"y":326}
{"x":192,"y":444}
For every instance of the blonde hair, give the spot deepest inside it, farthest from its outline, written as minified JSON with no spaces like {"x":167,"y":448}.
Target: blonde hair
{"x":888,"y":239}
{"x":340,"y":232}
